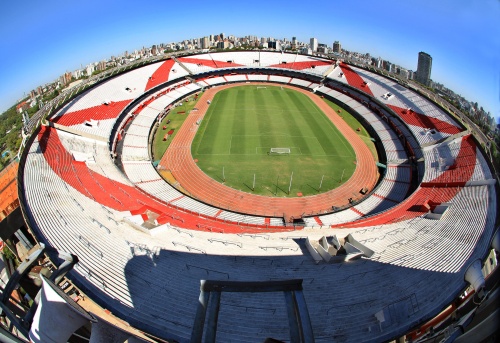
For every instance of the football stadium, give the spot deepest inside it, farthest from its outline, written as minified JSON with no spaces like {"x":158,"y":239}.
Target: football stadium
{"x":251,"y":196}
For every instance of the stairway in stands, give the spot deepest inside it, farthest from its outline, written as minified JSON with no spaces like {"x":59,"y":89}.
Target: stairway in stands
{"x":329,"y":71}
{"x":202,"y":86}
{"x":182,"y":65}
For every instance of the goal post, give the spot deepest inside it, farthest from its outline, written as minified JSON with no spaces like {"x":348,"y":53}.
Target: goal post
{"x":279,"y":151}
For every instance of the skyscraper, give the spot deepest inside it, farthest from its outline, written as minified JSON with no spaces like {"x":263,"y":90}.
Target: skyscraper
{"x":424,"y":67}
{"x":314,"y":44}
{"x":337,"y":47}
{"x":274,"y":45}
{"x":204,"y":43}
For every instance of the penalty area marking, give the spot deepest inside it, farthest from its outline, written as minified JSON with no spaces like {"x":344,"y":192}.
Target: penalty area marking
{"x":267,"y":148}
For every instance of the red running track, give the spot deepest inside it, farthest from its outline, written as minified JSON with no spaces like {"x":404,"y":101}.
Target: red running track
{"x":179,"y":161}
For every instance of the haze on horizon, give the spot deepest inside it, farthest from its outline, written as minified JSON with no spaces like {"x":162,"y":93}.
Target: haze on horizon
{"x":42,"y":40}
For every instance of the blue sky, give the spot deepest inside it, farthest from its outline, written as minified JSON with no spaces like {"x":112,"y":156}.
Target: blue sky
{"x":40,"y":40}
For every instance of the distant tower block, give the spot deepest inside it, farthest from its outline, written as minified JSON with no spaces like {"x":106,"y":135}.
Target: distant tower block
{"x":314,"y":44}
{"x":424,"y":68}
{"x":337,"y":48}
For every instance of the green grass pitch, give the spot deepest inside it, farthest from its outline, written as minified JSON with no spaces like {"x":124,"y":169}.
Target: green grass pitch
{"x":243,"y":123}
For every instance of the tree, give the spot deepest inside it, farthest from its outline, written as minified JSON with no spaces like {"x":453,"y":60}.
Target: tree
{"x":8,"y":254}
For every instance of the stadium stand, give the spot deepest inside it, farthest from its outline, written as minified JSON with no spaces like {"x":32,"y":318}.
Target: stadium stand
{"x":253,"y":77}
{"x":235,"y":78}
{"x":280,"y":79}
{"x":132,"y":231}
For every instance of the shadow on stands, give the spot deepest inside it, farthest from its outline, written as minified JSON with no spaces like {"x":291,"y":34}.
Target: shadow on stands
{"x":342,"y":298}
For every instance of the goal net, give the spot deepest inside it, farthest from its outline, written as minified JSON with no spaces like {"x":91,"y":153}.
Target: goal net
{"x":279,"y":151}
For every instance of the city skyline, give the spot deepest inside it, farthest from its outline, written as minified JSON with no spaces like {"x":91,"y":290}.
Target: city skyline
{"x":79,"y":38}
